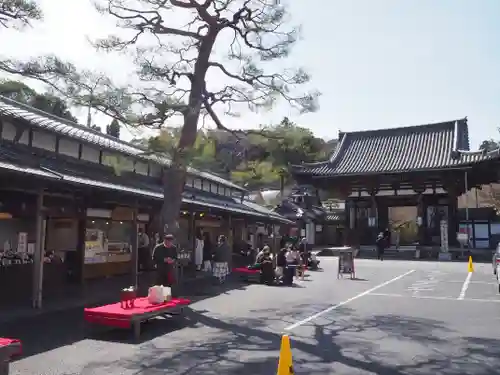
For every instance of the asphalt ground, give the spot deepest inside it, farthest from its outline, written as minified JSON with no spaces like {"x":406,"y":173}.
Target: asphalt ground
{"x":396,"y":318}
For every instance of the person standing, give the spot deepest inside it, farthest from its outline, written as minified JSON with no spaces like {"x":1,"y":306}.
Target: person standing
{"x":165,"y":260}
{"x":221,"y":259}
{"x":198,"y":250}
{"x":143,"y":249}
{"x":380,"y":243}
{"x":207,"y":252}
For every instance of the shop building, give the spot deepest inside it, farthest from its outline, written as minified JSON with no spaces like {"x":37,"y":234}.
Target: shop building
{"x":405,"y":179}
{"x":72,"y":200}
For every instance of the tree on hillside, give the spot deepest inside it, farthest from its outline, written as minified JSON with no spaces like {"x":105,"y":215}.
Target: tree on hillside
{"x":19,"y":13}
{"x":24,"y":94}
{"x":113,"y":129}
{"x":181,"y":74}
{"x":489,"y":145}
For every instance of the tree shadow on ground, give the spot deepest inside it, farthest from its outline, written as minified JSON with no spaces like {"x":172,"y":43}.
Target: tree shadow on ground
{"x":50,"y":331}
{"x":342,"y":343}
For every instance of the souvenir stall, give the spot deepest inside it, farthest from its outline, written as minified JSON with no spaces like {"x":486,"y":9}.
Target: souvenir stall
{"x":108,"y":241}
{"x":17,"y":245}
{"x":210,"y":224}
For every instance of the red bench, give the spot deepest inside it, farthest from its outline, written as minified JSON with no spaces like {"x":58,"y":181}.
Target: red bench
{"x":247,"y":274}
{"x":116,"y":316}
{"x":8,"y":348}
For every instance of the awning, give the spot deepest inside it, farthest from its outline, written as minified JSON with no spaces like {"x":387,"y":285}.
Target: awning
{"x":55,"y":170}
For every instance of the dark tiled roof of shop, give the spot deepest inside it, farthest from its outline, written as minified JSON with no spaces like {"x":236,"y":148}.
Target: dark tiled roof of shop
{"x":18,"y":158}
{"x":293,"y":211}
{"x":14,"y":110}
{"x":423,"y":147}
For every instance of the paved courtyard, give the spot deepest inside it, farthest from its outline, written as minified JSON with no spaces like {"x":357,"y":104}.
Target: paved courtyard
{"x":396,"y":318}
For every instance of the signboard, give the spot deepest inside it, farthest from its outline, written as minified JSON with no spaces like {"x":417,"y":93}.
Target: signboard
{"x":346,"y":263}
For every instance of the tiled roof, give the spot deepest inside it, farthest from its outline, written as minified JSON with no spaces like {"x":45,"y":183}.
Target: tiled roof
{"x":293,"y":211}
{"x":14,"y":110}
{"x":423,"y":147}
{"x":15,"y":159}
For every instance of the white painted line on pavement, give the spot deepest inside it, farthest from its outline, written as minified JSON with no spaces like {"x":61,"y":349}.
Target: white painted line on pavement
{"x":472,"y":282}
{"x":434,"y":297}
{"x":331,"y":308}
{"x":465,"y":286}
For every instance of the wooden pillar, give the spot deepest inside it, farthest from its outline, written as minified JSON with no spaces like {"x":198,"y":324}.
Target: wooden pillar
{"x":134,"y":248}
{"x":39,"y":253}
{"x":79,"y":266}
{"x":193,"y":231}
{"x":230,"y":238}
{"x":452,"y":217}
{"x":373,"y":216}
{"x":420,"y":216}
{"x":349,"y":238}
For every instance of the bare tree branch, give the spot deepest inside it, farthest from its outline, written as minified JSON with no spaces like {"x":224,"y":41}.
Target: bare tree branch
{"x":177,"y":47}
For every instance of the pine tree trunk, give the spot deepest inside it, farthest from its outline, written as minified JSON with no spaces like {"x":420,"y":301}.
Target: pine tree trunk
{"x":174,"y":177}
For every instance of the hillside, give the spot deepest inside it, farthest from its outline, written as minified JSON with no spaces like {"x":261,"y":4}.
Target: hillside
{"x":253,"y":161}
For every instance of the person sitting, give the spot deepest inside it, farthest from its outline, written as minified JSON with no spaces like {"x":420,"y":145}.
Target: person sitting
{"x":313,"y":262}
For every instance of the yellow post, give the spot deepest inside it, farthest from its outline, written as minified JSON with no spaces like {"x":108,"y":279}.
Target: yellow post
{"x":285,"y":365}
{"x":470,"y":266}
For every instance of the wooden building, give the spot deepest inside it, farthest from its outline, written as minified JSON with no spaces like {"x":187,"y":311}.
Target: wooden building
{"x":303,"y":206}
{"x":72,"y":200}
{"x":406,"y":179}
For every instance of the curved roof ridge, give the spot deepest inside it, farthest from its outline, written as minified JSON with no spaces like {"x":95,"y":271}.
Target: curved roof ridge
{"x":51,"y":116}
{"x":339,"y":148}
{"x":404,"y":127}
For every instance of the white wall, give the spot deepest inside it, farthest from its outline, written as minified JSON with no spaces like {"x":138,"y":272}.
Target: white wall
{"x":69,"y":147}
{"x":90,"y":154}
{"x":141,"y":168}
{"x":9,"y":133}
{"x":44,"y":140}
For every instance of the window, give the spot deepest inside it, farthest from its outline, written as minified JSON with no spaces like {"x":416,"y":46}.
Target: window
{"x":90,"y":154}
{"x":154,"y":170}
{"x":222,"y":190}
{"x":213,"y":188}
{"x":197,"y":184}
{"x":69,"y":147}
{"x":189,"y":181}
{"x":205,"y":185}
{"x":44,"y":140}
{"x":141,"y":168}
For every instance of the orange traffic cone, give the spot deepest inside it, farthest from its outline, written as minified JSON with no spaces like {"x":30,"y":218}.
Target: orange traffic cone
{"x":285,"y":365}
{"x":470,"y":266}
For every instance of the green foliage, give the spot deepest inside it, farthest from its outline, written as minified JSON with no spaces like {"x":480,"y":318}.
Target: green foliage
{"x":113,"y":129}
{"x":489,"y":145}
{"x":46,"y":102}
{"x":254,"y":161}
{"x":18,"y":13}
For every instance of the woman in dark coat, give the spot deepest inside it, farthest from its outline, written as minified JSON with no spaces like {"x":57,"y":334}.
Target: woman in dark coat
{"x":381,"y":244}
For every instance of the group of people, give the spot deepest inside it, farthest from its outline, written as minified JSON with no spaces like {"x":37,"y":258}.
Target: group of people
{"x":291,"y":261}
{"x":213,"y":258}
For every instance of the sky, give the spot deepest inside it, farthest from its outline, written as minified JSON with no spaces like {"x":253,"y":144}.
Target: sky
{"x":378,"y":64}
